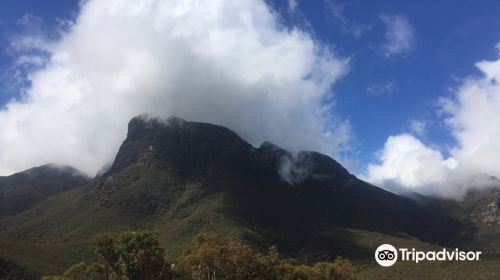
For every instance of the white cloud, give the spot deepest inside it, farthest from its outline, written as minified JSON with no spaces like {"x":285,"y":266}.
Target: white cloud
{"x":292,"y":5}
{"x":399,"y":35}
{"x":422,"y":165}
{"x":347,"y":26}
{"x":407,"y":162}
{"x":225,"y":62}
{"x":473,"y":118}
{"x":418,"y":127}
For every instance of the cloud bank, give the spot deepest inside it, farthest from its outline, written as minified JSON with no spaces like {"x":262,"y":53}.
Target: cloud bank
{"x":225,"y":62}
{"x":472,"y":116}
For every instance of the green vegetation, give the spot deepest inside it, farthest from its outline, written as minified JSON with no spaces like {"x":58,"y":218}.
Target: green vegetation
{"x":138,"y":255}
{"x":24,"y":190}
{"x":213,"y":258}
{"x":133,"y":255}
{"x":85,"y":271}
{"x":11,"y":271}
{"x":51,"y":237}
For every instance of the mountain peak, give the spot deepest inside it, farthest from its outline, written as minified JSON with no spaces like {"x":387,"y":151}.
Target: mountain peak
{"x":144,"y":122}
{"x":201,"y":149}
{"x":51,"y":170}
{"x":178,"y":145}
{"x":26,"y":189}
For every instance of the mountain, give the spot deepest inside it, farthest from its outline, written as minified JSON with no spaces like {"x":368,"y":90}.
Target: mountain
{"x":183,"y":178}
{"x":481,"y":208}
{"x":24,"y":190}
{"x":10,"y":270}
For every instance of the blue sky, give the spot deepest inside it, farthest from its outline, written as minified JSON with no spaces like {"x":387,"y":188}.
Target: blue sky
{"x":404,"y":56}
{"x":12,"y":23}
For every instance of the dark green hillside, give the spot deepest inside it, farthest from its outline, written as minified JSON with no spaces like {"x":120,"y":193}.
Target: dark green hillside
{"x":9,"y":270}
{"x":26,"y":189}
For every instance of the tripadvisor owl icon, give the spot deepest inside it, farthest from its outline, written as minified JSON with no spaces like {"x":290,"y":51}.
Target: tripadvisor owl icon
{"x":386,"y":255}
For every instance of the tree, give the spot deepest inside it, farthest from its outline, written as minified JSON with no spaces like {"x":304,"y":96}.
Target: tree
{"x":273,"y":267}
{"x":340,"y":269}
{"x":269,"y":264}
{"x":133,"y":255}
{"x":85,"y":271}
{"x":213,"y":257}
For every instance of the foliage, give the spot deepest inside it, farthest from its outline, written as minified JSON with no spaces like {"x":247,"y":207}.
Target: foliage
{"x":85,"y":271}
{"x":133,"y":255}
{"x":339,"y":269}
{"x":273,"y":267}
{"x":213,"y":258}
{"x":138,"y":256}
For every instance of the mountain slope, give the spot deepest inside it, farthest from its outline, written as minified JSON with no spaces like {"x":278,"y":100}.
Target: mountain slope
{"x":10,"y":270}
{"x":183,"y":178}
{"x":481,"y":208}
{"x":24,"y":190}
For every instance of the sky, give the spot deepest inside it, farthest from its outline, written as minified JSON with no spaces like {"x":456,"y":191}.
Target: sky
{"x":403,"y":93}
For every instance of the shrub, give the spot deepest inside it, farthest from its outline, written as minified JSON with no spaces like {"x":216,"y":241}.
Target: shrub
{"x":213,"y":258}
{"x":85,"y":271}
{"x":134,"y":255}
{"x":340,"y":269}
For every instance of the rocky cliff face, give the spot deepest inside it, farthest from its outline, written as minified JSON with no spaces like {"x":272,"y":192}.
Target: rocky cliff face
{"x":201,"y":149}
{"x":187,"y":148}
{"x":484,"y":207}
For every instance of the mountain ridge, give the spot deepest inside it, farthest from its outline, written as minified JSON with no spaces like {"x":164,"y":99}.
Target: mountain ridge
{"x":23,"y":190}
{"x":184,"y":178}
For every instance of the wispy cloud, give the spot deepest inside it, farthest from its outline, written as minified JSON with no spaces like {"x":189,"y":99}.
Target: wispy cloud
{"x":380,"y":89}
{"x":418,"y":127}
{"x":399,"y":36}
{"x":292,"y":5}
{"x":347,"y":26}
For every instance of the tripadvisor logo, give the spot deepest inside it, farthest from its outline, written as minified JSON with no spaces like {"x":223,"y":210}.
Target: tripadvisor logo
{"x":388,"y":255}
